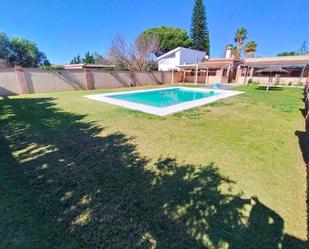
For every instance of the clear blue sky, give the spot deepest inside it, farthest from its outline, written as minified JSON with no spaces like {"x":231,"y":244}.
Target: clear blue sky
{"x":63,"y":28}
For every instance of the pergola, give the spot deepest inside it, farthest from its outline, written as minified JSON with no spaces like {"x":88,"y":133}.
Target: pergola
{"x":205,"y":66}
{"x":191,"y":67}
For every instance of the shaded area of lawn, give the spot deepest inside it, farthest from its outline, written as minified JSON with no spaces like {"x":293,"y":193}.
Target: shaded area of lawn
{"x":303,"y":138}
{"x":67,"y":184}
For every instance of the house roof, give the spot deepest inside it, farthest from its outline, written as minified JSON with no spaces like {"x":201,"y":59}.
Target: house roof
{"x":84,"y":65}
{"x":227,"y":60}
{"x":213,"y":63}
{"x":220,"y":62}
{"x":204,"y":65}
{"x":176,"y":50}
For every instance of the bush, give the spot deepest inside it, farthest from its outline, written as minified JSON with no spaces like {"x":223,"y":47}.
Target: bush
{"x":52,"y":67}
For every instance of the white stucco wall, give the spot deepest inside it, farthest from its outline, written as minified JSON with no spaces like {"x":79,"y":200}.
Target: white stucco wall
{"x":167,"y":64}
{"x":9,"y":83}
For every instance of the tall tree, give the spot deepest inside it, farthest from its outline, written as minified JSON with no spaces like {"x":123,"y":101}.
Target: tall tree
{"x":135,"y":56}
{"x":89,"y":58}
{"x":199,"y":29}
{"x":25,"y":53}
{"x":4,"y":50}
{"x":303,"y":48}
{"x":169,"y":37}
{"x":4,"y":45}
{"x":21,"y":52}
{"x":240,"y":36}
{"x":101,"y":59}
{"x":76,"y":60}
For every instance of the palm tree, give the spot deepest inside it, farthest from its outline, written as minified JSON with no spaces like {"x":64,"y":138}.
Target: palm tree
{"x":250,"y":49}
{"x":240,"y":36}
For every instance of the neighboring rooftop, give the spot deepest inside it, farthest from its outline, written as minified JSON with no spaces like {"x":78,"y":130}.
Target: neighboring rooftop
{"x":81,"y":66}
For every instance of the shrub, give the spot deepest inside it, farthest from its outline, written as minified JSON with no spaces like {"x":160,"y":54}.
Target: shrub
{"x":52,"y":67}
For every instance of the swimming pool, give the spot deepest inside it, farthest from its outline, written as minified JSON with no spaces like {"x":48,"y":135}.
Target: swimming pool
{"x":164,"y":101}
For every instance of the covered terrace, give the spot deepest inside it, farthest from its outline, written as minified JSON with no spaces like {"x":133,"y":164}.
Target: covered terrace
{"x":296,"y":67}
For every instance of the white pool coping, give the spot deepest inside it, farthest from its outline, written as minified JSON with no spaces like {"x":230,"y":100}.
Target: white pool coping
{"x":163,"y":111}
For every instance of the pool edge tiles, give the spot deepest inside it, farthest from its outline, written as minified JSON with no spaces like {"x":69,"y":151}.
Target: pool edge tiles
{"x":162,"y":111}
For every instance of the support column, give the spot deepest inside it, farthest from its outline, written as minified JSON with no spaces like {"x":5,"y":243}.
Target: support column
{"x":196,"y":74}
{"x":162,"y":77}
{"x":21,"y":78}
{"x":184,"y":76}
{"x":238,"y":73}
{"x":301,"y":75}
{"x":251,"y":72}
{"x":88,"y":79}
{"x":228,"y":72}
{"x":219,"y":76}
{"x":207,"y":76}
{"x":246,"y":75}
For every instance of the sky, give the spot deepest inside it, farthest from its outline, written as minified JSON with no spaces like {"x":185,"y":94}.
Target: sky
{"x":64,"y":28}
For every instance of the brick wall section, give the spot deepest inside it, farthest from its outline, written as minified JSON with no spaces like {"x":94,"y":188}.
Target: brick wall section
{"x":89,"y":79}
{"x":21,"y":79}
{"x":29,"y":80}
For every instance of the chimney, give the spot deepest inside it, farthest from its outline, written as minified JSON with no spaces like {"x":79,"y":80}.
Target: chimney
{"x":228,"y":51}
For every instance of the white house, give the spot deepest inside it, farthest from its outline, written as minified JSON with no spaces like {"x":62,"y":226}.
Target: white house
{"x":179,"y":56}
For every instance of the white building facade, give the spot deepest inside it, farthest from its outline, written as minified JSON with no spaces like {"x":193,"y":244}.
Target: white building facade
{"x":179,"y":56}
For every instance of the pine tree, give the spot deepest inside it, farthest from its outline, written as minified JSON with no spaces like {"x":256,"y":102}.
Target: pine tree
{"x":89,"y":59}
{"x":78,"y":59}
{"x":303,"y":48}
{"x":199,"y":30}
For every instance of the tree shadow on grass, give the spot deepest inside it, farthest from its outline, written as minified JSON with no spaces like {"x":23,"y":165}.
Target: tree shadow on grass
{"x":67,"y":184}
{"x":271,"y":88}
{"x":303,"y":140}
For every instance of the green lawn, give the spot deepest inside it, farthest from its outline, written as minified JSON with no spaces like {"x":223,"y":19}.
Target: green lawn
{"x":77,"y":173}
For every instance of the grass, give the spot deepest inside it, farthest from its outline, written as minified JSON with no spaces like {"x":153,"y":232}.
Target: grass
{"x":76,"y":173}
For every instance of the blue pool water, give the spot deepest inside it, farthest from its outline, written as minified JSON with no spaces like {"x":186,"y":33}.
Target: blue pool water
{"x":165,"y":97}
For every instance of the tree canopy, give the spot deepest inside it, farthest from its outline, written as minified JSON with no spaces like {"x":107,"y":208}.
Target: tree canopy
{"x":21,"y":52}
{"x":90,"y":58}
{"x":250,"y":49}
{"x":250,"y":46}
{"x":169,"y":37}
{"x":199,"y":29}
{"x":134,"y":57}
{"x":76,"y":60}
{"x":240,"y":36}
{"x":4,"y":45}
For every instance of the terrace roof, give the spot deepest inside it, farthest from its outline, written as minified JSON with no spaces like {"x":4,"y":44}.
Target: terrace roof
{"x":283,"y":61}
{"x":203,"y":66}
